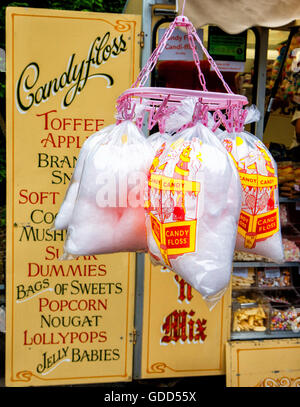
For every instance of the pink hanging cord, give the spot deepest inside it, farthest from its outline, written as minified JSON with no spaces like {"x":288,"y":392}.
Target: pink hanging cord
{"x":183,"y":6}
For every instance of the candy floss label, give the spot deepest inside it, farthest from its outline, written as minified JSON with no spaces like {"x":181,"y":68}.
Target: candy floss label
{"x":178,"y":237}
{"x":259,"y":227}
{"x":174,"y":238}
{"x":259,"y":218}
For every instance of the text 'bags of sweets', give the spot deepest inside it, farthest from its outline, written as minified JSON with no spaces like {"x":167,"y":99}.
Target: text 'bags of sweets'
{"x":259,"y":225}
{"x":63,"y":217}
{"x":108,"y":215}
{"x":192,"y":209}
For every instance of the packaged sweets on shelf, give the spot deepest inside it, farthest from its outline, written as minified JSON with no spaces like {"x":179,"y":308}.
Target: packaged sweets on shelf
{"x":243,"y":278}
{"x":277,"y":299}
{"x":274,"y":277}
{"x":243,"y":256}
{"x":285,"y":319}
{"x":250,"y":312}
{"x":250,"y":319}
{"x":247,"y":299}
{"x":280,"y":320}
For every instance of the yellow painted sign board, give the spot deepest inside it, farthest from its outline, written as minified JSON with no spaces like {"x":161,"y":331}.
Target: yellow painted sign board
{"x":266,"y":363}
{"x":71,"y":321}
{"x":181,"y":336}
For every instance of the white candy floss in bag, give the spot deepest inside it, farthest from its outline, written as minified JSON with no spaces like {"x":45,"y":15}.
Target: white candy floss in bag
{"x":108,"y":215}
{"x":259,"y":226}
{"x":66,"y":209}
{"x":192,"y":209}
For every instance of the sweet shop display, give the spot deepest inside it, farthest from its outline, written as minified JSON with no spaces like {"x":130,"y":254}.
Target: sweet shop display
{"x":243,"y":256}
{"x":250,"y":319}
{"x":249,"y":313}
{"x":285,"y":320}
{"x":280,"y":320}
{"x":277,"y":292}
{"x":248,"y":299}
{"x":277,"y":299}
{"x":243,"y":278}
{"x":274,"y":284}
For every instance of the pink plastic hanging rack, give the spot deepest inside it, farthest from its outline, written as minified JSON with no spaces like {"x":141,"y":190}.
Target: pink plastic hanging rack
{"x":160,"y":102}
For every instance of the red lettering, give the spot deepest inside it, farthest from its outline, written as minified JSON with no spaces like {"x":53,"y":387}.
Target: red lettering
{"x":99,"y":124}
{"x":179,"y":325}
{"x":46,"y":117}
{"x":37,"y":197}
{"x":68,"y":123}
{"x":71,"y":305}
{"x":244,"y":221}
{"x":185,"y":290}
{"x":52,"y":252}
{"x":178,"y":236}
{"x":77,"y":122}
{"x":88,"y":123}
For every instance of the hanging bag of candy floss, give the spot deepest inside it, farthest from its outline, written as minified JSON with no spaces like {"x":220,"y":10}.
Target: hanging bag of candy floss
{"x":108,"y":214}
{"x":192,"y":210}
{"x":259,"y":226}
{"x":63,"y":217}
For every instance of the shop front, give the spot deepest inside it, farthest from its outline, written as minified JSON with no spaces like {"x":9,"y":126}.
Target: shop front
{"x":259,"y":315}
{"x":118,"y":317}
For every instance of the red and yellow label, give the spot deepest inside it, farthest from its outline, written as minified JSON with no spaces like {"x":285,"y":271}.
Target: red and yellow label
{"x":245,"y":223}
{"x":258,"y":227}
{"x":164,"y":183}
{"x":258,"y":181}
{"x":174,"y":238}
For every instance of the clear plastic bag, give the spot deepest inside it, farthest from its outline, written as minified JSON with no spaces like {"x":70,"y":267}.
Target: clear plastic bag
{"x":181,"y":116}
{"x":192,"y":209}
{"x":259,"y":224}
{"x":108,"y":215}
{"x":156,"y":140}
{"x":63,"y":217}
